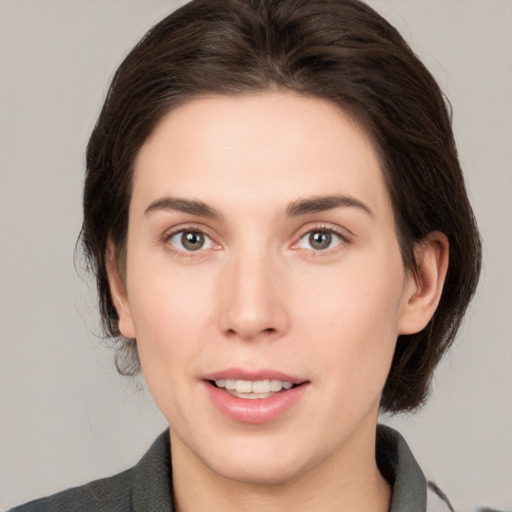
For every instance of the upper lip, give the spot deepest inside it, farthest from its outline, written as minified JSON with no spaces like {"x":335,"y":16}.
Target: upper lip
{"x":253,"y":375}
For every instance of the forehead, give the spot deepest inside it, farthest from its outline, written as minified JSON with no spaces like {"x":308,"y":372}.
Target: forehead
{"x":267,"y":148}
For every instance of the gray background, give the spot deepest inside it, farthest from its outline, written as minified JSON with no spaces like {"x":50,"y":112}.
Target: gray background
{"x":65,"y":416}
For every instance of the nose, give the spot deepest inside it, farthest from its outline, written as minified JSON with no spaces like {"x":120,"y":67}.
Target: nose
{"x":252,"y":299}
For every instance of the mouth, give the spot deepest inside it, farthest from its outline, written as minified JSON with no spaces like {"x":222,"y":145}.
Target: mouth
{"x":255,"y":397}
{"x":253,"y":389}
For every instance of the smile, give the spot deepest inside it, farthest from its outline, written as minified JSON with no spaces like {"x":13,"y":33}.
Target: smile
{"x":253,"y":389}
{"x":254,"y":396}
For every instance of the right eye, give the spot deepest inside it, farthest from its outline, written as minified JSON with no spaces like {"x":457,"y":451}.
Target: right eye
{"x":190,"y":241}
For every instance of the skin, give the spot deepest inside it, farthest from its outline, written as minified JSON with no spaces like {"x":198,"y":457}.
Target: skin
{"x":259,"y":295}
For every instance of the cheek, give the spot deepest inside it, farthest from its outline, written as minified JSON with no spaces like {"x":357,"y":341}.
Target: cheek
{"x":352,"y":319}
{"x":167,"y":307}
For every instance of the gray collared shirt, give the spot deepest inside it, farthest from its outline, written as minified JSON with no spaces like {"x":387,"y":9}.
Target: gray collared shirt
{"x":147,"y":487}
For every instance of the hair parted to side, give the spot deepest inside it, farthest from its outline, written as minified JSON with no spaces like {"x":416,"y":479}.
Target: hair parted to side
{"x":338,"y":50}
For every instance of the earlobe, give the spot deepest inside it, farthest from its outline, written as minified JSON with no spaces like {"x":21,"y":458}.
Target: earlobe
{"x":423,"y":289}
{"x":118,"y":293}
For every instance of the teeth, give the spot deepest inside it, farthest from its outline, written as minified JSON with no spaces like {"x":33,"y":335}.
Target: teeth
{"x":260,"y":387}
{"x":243,"y":386}
{"x":276,"y":385}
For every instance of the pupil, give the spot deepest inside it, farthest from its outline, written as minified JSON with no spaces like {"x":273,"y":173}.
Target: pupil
{"x":320,"y":240}
{"x":192,"y":241}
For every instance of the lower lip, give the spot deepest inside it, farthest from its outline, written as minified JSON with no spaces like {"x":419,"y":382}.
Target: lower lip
{"x":258,"y":410}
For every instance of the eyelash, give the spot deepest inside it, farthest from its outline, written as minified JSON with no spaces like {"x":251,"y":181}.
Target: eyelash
{"x":344,"y":239}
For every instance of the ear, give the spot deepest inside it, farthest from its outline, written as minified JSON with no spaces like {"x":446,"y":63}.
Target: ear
{"x":118,"y":293}
{"x":423,"y":289}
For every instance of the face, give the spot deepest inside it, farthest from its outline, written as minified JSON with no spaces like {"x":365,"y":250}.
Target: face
{"x":264,"y":283}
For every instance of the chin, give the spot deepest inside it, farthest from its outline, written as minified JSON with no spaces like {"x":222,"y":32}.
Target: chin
{"x":265,"y":471}
{"x":258,"y":463}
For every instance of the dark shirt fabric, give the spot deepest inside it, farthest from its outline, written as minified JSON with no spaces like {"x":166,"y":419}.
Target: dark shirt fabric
{"x":147,"y":486}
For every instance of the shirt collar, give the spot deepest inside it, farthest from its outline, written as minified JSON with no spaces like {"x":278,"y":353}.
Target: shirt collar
{"x":152,"y":489}
{"x":398,"y":465}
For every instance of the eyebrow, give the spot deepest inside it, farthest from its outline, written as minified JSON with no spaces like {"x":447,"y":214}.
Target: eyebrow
{"x":191,"y":206}
{"x":296,"y":208}
{"x":324,"y":203}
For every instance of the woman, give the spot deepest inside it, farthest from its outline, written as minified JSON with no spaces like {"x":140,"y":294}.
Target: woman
{"x":280,"y":232}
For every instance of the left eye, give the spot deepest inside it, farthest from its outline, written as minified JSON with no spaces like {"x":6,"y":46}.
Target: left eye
{"x":190,"y":241}
{"x":319,"y":240}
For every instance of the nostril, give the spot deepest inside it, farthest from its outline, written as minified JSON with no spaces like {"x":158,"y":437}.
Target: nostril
{"x":268,"y":330}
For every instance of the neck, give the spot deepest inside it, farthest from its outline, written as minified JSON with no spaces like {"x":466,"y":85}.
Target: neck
{"x":349,"y":480}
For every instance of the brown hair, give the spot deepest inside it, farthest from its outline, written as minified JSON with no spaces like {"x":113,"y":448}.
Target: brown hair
{"x":338,"y":50}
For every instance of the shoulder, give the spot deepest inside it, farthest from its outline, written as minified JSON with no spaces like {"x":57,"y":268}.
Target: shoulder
{"x":411,"y":490}
{"x":146,"y":486}
{"x":111,"y":493}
